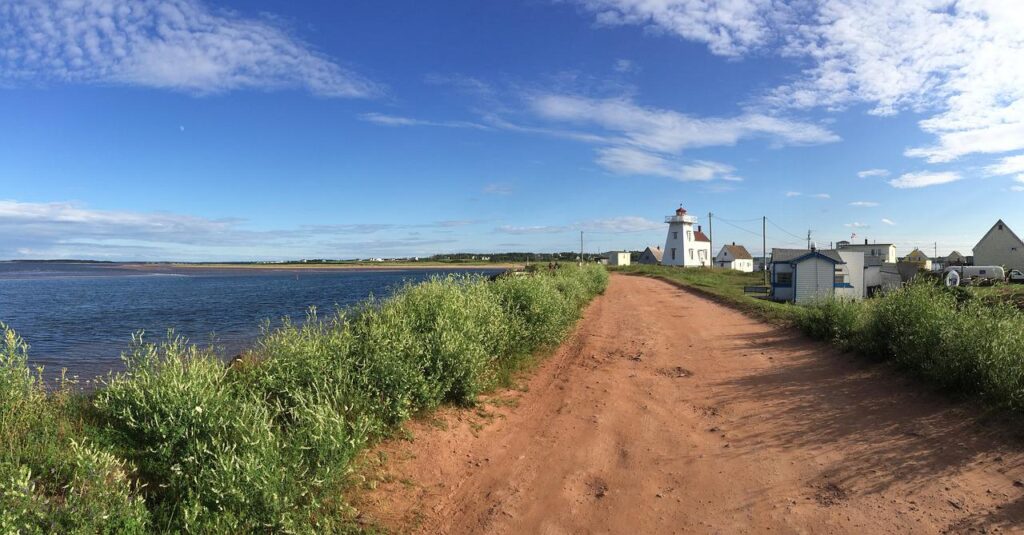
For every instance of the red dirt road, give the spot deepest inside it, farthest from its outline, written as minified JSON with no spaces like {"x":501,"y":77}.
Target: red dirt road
{"x":665,"y":412}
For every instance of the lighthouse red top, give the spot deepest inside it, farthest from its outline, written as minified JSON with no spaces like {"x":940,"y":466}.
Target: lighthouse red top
{"x":680,"y":211}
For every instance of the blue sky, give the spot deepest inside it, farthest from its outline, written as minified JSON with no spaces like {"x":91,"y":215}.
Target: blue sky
{"x":188,"y":130}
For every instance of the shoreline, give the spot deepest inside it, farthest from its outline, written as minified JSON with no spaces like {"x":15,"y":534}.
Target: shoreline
{"x":317,"y":266}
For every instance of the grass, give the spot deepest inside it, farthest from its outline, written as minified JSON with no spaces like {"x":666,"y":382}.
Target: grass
{"x":967,"y":341}
{"x":180,"y":442}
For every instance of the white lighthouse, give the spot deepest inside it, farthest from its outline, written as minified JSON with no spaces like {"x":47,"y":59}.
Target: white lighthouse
{"x":685,"y":246}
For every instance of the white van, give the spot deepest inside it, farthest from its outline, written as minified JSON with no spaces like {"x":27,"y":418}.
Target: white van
{"x":995,"y":273}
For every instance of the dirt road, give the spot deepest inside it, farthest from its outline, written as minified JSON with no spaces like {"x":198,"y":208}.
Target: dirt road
{"x":668,"y":413}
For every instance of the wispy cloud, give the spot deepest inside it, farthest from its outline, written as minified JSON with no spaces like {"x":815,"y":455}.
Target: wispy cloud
{"x":175,"y":44}
{"x":625,"y":65}
{"x":958,"y":62}
{"x":398,"y":120}
{"x":1007,"y":166}
{"x":888,"y":221}
{"x":793,"y":194}
{"x":630,"y":161}
{"x":868,"y":173}
{"x":670,"y":131}
{"x":924,"y":179}
{"x":67,"y":229}
{"x":821,"y":196}
{"x":857,"y":225}
{"x":497,"y":189}
{"x":864,"y":204}
{"x":612,"y":225}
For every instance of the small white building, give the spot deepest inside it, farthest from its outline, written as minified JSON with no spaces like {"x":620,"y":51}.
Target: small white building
{"x":735,"y":257}
{"x":917,"y":257}
{"x":651,"y":256}
{"x":874,"y":253}
{"x":804,"y":275}
{"x":618,"y":258}
{"x":1000,"y":246}
{"x":684,"y":245}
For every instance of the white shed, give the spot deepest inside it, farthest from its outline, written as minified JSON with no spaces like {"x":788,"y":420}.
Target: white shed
{"x":618,"y":258}
{"x":805,"y":275}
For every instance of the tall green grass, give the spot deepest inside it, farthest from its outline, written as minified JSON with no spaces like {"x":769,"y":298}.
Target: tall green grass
{"x":948,"y":336}
{"x":181,"y":442}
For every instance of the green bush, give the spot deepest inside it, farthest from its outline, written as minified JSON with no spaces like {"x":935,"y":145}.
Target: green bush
{"x":182,"y":442}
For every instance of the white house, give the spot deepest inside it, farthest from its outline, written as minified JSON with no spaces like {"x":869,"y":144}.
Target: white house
{"x":618,"y":258}
{"x":735,"y":257}
{"x":685,"y":246}
{"x":804,"y":275}
{"x":1000,"y":247}
{"x":874,"y":253}
{"x":651,"y":255}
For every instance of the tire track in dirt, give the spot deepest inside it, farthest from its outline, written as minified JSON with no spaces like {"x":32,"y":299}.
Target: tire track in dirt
{"x":665,"y":412}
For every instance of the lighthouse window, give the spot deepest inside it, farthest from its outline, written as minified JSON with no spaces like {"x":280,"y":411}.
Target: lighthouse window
{"x":689,"y":235}
{"x":673,"y":253}
{"x":675,"y":235}
{"x":691,"y":254}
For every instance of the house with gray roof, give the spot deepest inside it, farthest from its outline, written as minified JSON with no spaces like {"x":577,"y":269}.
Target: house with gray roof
{"x":806,"y":275}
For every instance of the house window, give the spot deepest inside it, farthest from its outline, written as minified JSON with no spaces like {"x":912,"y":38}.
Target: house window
{"x":784,"y":279}
{"x":673,"y":253}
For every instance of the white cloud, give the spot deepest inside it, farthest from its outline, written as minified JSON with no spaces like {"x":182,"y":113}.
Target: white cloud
{"x":857,"y":225}
{"x":728,"y":27}
{"x":1007,"y":166}
{"x":821,"y":196}
{"x":873,"y":173}
{"x":537,"y":229}
{"x":68,"y":229}
{"x":497,"y":189}
{"x":630,"y":161}
{"x":173,"y":44}
{"x":923,"y":179}
{"x":864,"y":204}
{"x":793,"y":194}
{"x":625,"y":65}
{"x":959,"y":62}
{"x":397,"y":120}
{"x":670,"y":131}
{"x":1016,"y":188}
{"x":888,"y":221}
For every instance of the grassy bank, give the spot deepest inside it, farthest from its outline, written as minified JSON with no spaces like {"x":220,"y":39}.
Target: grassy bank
{"x":179,"y":442}
{"x":964,"y":340}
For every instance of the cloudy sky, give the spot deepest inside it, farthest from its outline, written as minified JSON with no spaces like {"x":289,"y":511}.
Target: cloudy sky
{"x":269,"y":129}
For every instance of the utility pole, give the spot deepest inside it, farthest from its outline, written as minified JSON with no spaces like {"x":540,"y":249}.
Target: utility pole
{"x":936,"y":250}
{"x":711,"y":240}
{"x":581,"y":248}
{"x":764,"y":249}
{"x":808,"y":238}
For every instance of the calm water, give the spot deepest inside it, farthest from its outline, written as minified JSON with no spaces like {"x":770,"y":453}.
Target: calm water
{"x":81,"y":316}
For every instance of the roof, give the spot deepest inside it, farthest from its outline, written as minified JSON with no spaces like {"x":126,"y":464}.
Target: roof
{"x":794,"y":255}
{"x":655,"y":251}
{"x":700,"y":236}
{"x":738,"y":251}
{"x":1005,"y":227}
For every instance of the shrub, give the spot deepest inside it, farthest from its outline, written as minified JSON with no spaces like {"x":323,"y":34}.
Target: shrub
{"x":184,"y":443}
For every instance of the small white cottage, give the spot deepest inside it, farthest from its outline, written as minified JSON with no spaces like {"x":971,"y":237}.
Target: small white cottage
{"x":735,"y":257}
{"x":805,"y":275}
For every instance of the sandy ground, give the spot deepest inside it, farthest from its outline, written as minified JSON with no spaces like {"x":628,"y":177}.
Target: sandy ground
{"x":668,"y":413}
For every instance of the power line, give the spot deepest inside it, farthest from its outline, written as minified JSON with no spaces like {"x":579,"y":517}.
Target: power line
{"x":776,"y":225}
